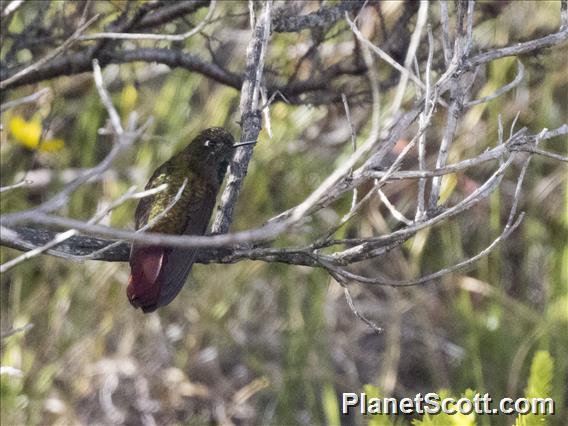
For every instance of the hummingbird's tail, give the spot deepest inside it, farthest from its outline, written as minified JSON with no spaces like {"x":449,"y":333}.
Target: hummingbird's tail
{"x":143,"y":285}
{"x":157,"y":275}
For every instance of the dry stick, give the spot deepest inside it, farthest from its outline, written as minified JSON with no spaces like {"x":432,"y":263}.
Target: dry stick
{"x":458,"y":89}
{"x":446,"y":43}
{"x":106,"y":100}
{"x":353,"y":143}
{"x":382,"y":54}
{"x":518,"y":48}
{"x":25,"y":100}
{"x":36,"y":65}
{"x":12,"y":7}
{"x":469,"y":28}
{"x":354,"y":309}
{"x":157,"y":37}
{"x":250,"y":121}
{"x":410,"y":55}
{"x":420,"y":209}
{"x":518,"y":78}
{"x":252,"y":16}
{"x":266,"y":112}
{"x":393,"y":210}
{"x":343,"y":283}
{"x":542,"y":152}
{"x":515,"y":122}
{"x":16,"y":330}
{"x":23,"y":182}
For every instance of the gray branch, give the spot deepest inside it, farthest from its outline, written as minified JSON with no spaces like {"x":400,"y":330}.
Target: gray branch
{"x":250,"y":121}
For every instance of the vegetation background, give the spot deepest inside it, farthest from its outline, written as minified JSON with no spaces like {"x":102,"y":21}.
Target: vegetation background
{"x":268,"y":343}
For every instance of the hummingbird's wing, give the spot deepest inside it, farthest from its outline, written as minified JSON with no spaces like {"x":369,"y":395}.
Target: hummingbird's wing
{"x":178,"y":260}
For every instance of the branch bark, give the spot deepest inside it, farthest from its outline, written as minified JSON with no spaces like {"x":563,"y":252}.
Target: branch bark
{"x":251,"y":121}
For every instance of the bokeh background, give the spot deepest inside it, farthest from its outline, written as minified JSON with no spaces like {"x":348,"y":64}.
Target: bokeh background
{"x":267,"y":343}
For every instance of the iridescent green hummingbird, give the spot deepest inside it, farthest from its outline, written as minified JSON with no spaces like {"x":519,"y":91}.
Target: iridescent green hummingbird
{"x":193,"y":177}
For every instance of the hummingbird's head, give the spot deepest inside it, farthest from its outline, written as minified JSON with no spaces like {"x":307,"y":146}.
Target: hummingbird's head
{"x":214,"y":145}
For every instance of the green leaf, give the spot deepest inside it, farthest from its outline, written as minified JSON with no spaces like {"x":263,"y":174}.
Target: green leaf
{"x":538,"y":386}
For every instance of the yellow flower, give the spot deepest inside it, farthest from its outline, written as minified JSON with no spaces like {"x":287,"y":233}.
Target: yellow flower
{"x":128,"y":99}
{"x":28,"y":133}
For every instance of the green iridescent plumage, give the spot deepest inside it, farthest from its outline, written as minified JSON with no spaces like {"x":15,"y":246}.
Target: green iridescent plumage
{"x":201,"y":165}
{"x":193,"y":177}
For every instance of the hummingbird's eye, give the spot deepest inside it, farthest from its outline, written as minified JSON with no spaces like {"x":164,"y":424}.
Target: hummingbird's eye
{"x":207,"y":143}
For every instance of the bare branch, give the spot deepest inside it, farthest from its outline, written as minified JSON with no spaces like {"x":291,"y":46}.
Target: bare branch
{"x":323,"y":17}
{"x":25,"y":100}
{"x":519,"y":48}
{"x":22,"y":183}
{"x":250,"y":121}
{"x":382,"y":54}
{"x":353,"y":142}
{"x":410,"y":55}
{"x":509,"y":86}
{"x":446,"y":43}
{"x":428,"y":103}
{"x":105,"y":99}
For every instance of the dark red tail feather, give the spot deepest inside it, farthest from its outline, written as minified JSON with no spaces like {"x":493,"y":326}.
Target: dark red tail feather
{"x":144,"y":285}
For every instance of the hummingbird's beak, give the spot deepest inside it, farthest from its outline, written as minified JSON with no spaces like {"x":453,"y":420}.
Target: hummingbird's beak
{"x":244,"y":143}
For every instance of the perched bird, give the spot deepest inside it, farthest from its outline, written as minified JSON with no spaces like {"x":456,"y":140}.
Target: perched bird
{"x":194,"y":177}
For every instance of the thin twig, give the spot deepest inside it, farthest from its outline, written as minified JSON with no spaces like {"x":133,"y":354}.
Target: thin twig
{"x":420,"y":209}
{"x":410,"y":55}
{"x":458,"y":92}
{"x":396,"y":214}
{"x":25,"y":100}
{"x":23,"y":182}
{"x":11,"y":8}
{"x":353,"y":143}
{"x":16,"y":330}
{"x":446,"y":43}
{"x":509,"y":86}
{"x":105,"y":99}
{"x":382,"y":54}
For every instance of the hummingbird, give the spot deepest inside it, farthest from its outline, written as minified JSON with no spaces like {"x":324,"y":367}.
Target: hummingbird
{"x":193,"y":177}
